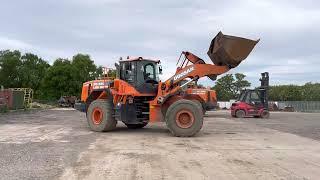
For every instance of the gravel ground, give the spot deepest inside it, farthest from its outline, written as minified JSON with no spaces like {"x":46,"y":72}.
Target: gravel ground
{"x":302,"y":124}
{"x":57,"y":144}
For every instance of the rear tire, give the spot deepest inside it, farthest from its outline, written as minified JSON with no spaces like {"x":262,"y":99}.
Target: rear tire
{"x":240,"y":113}
{"x":99,"y":116}
{"x":184,"y":118}
{"x":136,"y":126}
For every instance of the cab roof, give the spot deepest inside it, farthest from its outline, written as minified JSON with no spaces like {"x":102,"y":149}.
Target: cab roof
{"x":139,"y":59}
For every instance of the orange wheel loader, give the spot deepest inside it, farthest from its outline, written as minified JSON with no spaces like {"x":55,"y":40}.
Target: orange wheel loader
{"x":206,"y":97}
{"x":137,"y":96}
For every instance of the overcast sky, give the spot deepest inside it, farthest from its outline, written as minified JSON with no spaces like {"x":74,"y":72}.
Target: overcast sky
{"x":107,"y":29}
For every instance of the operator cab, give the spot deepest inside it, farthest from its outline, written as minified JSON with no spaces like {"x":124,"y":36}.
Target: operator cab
{"x":141,"y":73}
{"x":252,"y":97}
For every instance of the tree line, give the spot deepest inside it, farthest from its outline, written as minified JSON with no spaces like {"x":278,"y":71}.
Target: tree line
{"x":66,"y":76}
{"x":307,"y":92}
{"x":229,"y":86}
{"x":49,"y":82}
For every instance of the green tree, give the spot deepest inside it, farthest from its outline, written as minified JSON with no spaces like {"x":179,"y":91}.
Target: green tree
{"x":307,"y":92}
{"x":285,"y":93}
{"x":84,"y":70}
{"x":224,"y":88}
{"x":59,"y":80}
{"x":9,"y":68}
{"x":240,"y":83}
{"x":65,"y":77}
{"x":32,"y":71}
{"x":311,"y":92}
{"x":228,"y":87}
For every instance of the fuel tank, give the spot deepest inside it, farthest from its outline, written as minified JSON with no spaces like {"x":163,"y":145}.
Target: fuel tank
{"x":230,"y":51}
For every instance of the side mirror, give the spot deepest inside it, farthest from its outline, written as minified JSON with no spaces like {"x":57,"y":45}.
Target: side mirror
{"x":160,"y":69}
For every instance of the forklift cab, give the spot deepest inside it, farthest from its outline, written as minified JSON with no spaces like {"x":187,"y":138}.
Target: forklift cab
{"x":252,"y":98}
{"x":141,"y":73}
{"x":250,"y":103}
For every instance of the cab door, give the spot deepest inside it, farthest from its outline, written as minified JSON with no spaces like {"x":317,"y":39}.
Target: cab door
{"x":147,"y":81}
{"x":255,"y":103}
{"x":247,"y":99}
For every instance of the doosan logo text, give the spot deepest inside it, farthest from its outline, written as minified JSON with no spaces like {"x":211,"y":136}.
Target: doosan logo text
{"x":183,"y":73}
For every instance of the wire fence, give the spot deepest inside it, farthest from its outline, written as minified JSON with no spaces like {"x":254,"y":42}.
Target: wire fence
{"x":300,"y":106}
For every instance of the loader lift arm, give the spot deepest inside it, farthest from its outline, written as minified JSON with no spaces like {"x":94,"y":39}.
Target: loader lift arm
{"x":225,"y":52}
{"x":195,"y":71}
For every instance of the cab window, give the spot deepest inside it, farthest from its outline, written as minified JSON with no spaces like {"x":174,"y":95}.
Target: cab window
{"x":255,"y":97}
{"x":241,"y":97}
{"x":149,"y":72}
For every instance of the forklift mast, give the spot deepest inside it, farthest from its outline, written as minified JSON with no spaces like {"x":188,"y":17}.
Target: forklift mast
{"x":264,"y":89}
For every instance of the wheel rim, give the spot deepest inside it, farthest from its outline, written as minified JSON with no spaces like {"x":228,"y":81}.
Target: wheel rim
{"x":97,"y":115}
{"x":184,"y":119}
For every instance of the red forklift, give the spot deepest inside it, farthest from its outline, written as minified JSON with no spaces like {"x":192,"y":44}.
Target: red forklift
{"x":253,"y":102}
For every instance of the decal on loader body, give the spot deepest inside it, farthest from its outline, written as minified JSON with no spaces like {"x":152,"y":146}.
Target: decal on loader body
{"x":178,"y":76}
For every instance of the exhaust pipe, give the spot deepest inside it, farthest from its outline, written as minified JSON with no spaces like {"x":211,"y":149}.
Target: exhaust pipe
{"x":230,"y":51}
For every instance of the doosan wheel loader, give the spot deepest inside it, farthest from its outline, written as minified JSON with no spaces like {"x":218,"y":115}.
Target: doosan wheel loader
{"x":137,"y":96}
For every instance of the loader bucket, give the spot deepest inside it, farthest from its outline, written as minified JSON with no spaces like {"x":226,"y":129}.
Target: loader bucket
{"x":229,"y":51}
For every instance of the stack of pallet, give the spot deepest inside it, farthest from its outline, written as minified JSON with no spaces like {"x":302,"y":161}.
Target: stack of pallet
{"x":16,"y":98}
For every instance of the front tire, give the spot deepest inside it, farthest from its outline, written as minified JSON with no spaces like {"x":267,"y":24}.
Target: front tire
{"x":99,"y":116}
{"x":200,"y":106}
{"x":240,"y":113}
{"x":184,"y":118}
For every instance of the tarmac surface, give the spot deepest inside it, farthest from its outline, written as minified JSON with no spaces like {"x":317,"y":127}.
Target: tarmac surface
{"x":57,"y":144}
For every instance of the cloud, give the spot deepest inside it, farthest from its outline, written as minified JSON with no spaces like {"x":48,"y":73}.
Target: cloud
{"x":108,"y":29}
{"x":13,"y":44}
